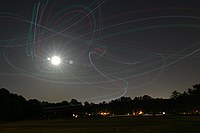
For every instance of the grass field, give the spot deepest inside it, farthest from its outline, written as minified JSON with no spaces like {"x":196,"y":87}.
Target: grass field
{"x":165,"y":124}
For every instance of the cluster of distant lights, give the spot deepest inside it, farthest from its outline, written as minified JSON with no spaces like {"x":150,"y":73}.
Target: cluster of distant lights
{"x":138,"y":113}
{"x":108,"y":114}
{"x":56,"y":60}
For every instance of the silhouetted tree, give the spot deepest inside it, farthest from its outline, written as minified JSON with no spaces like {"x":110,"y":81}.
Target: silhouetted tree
{"x":15,"y":107}
{"x":175,"y":94}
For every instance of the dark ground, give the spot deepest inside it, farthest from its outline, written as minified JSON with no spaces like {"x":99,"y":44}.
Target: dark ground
{"x":164,"y":124}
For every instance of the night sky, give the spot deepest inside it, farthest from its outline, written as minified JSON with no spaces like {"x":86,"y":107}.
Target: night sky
{"x":107,"y":48}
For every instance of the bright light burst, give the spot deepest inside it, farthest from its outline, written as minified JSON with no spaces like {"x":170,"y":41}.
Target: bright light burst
{"x":55,"y":60}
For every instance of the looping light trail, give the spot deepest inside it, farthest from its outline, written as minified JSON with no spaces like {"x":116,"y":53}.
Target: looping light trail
{"x":78,"y":45}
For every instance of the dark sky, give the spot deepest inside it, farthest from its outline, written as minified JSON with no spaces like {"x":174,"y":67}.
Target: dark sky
{"x":108,"y":48}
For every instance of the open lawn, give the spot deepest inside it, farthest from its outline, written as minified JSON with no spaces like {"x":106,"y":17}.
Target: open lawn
{"x":164,"y":124}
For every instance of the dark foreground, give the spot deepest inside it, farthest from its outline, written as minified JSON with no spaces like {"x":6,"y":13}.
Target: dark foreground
{"x":164,"y":124}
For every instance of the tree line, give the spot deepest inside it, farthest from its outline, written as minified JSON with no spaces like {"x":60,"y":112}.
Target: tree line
{"x":16,"y":107}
